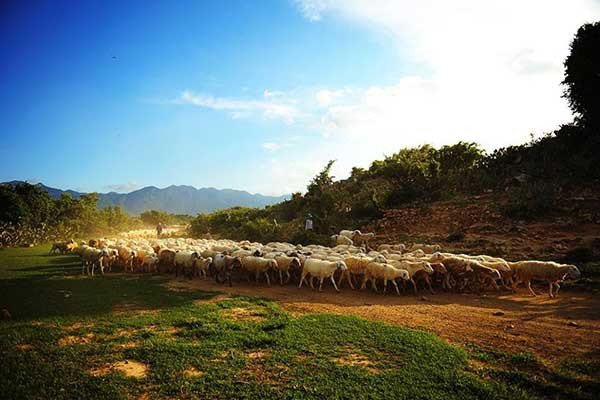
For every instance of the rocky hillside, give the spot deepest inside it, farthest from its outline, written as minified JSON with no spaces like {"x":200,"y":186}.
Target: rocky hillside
{"x":476,"y":225}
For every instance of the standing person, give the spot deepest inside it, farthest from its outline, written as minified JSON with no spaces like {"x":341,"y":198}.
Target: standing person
{"x":308,"y":225}
{"x":159,"y":229}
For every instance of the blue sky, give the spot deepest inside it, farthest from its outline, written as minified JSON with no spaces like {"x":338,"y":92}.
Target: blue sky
{"x":100,"y":96}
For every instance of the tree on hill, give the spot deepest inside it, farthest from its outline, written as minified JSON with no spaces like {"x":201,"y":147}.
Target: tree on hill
{"x":582,"y":75}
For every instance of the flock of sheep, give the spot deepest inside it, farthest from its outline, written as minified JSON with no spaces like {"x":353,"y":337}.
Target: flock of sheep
{"x":349,"y":260}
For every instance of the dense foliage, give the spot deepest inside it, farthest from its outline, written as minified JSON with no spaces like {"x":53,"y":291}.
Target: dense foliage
{"x":29,"y":215}
{"x":582,"y":75}
{"x":154,"y":217}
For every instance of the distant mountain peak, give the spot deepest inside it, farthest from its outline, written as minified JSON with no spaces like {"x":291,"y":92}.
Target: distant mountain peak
{"x":177,"y":199}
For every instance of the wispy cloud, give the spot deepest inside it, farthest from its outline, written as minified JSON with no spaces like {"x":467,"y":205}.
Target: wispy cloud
{"x":270,"y":146}
{"x":312,"y":9}
{"x":273,"y":105}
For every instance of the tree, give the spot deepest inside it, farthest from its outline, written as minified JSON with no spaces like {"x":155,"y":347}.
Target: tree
{"x":153,"y":217}
{"x":582,"y":75}
{"x":319,"y":198}
{"x":12,"y":207}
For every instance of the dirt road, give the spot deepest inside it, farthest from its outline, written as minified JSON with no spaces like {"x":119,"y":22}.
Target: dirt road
{"x":552,"y":328}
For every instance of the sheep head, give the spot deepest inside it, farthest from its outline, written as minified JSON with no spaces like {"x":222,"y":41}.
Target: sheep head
{"x":404,"y":275}
{"x":341,"y":266}
{"x":573,"y":272}
{"x":380,"y":259}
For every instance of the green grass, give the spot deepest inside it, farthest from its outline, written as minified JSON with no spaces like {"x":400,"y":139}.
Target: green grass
{"x":571,"y":379}
{"x":242,"y":347}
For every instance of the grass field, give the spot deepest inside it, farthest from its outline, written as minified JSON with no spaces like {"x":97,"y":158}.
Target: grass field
{"x":129,"y":336}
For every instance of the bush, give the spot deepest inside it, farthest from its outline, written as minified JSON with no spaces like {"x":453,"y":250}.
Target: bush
{"x":309,"y":237}
{"x":530,"y":201}
{"x":580,"y":254}
{"x":456,"y":236}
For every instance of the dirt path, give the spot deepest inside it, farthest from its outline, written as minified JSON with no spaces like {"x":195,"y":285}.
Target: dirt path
{"x":540,"y":325}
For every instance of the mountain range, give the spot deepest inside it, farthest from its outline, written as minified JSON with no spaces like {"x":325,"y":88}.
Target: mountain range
{"x":181,"y":199}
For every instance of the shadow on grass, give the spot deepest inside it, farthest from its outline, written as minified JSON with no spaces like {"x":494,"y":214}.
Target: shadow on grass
{"x":43,"y":296}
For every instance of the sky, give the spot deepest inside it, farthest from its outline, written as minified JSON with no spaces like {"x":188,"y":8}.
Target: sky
{"x":259,"y":95}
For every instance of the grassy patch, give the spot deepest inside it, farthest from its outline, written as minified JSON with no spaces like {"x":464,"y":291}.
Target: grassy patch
{"x":572,"y":379}
{"x":167,"y":345}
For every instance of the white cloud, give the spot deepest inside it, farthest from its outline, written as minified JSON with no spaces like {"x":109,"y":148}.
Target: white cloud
{"x":272,"y":106}
{"x":326,"y":97}
{"x":270,"y":146}
{"x":493,"y":70}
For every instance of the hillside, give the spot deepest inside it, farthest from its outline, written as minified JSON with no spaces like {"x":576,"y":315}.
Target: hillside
{"x":175,"y":199}
{"x":476,"y":225}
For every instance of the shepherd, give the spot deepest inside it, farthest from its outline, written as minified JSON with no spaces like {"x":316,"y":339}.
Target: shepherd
{"x":308,"y":225}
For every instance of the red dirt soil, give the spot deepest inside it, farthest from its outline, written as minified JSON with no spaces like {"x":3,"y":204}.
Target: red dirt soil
{"x":566,"y":326}
{"x":487,"y":231}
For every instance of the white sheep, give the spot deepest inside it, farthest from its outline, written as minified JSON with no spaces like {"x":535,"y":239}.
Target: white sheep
{"x":360,"y":239}
{"x":412,"y":267}
{"x":548,"y":271}
{"x":185,"y":261}
{"x":259,"y":265}
{"x":201,"y":266}
{"x":150,"y":263}
{"x":341,"y":240}
{"x":387,"y":272}
{"x":348,"y":233}
{"x":357,"y":267}
{"x":224,"y":264}
{"x":321,"y":269}
{"x":90,"y":257}
{"x":285,"y":264}
{"x":427,"y":248}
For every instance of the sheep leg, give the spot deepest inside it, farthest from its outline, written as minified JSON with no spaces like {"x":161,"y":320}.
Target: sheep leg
{"x":229,"y":278}
{"x":515,"y":283}
{"x":334,"y":285}
{"x":396,"y":286}
{"x":321,"y":283}
{"x":289,"y":276}
{"x":414,"y":285}
{"x":280,"y":278}
{"x":342,"y":275}
{"x":428,"y":281}
{"x":364,"y":282}
{"x":268,"y":280}
{"x":349,"y":279}
{"x":557,"y":288}
{"x":311,"y":279}
{"x":256,"y":275}
{"x":374,"y":284}
{"x":302,"y":279}
{"x":82,"y":267}
{"x":384,"y":285}
{"x":551,"y":285}
{"x":495,"y":285}
{"x":530,"y":289}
